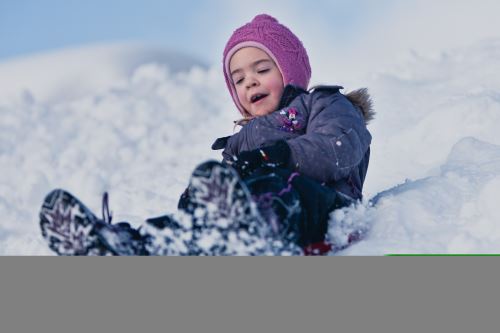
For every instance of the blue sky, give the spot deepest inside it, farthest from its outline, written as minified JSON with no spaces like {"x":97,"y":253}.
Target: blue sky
{"x":28,"y":26}
{"x":344,"y":29}
{"x":199,"y":27}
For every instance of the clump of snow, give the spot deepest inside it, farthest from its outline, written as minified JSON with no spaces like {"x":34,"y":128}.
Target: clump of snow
{"x":138,"y":134}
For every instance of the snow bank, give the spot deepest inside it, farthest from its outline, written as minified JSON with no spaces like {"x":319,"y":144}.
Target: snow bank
{"x":427,"y":105}
{"x":426,"y":108}
{"x":138,"y":136}
{"x":455,"y":211}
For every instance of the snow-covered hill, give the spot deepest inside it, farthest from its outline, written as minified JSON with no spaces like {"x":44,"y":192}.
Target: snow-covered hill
{"x":97,"y":119}
{"x":75,"y":72}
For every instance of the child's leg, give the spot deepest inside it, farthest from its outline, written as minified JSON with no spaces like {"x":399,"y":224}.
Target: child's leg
{"x":297,"y":206}
{"x":277,"y":201}
{"x":225,"y":220}
{"x":318,"y":202}
{"x":167,"y":235}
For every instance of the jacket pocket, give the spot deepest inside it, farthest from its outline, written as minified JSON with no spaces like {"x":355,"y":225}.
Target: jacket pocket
{"x":349,"y":150}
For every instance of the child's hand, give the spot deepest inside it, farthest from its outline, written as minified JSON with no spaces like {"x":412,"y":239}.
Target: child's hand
{"x":272,"y":156}
{"x":247,"y":162}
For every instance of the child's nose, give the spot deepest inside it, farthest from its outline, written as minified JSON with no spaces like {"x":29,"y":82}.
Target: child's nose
{"x":252,"y":82}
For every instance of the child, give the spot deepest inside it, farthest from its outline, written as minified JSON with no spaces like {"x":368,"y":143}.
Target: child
{"x":298,"y":156}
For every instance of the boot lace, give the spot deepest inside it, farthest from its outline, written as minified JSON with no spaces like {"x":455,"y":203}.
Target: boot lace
{"x":107,"y":216}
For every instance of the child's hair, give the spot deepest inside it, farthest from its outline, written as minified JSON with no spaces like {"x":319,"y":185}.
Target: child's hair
{"x":286,"y":50}
{"x":242,"y":121}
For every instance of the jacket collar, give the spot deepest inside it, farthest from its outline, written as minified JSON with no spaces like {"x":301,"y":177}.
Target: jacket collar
{"x":289,"y":94}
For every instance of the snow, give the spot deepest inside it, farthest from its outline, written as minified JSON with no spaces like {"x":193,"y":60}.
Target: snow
{"x":453,"y":211}
{"x":134,"y":121}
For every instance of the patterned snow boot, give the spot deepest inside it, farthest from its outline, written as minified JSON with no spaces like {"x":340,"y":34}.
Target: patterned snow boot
{"x":224,"y":218}
{"x":70,"y":228}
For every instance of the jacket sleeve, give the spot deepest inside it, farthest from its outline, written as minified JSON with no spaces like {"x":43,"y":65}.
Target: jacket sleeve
{"x":231,"y":148}
{"x":335,"y":142}
{"x":284,"y":124}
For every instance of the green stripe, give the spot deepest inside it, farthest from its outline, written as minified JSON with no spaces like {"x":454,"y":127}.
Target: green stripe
{"x":442,"y":255}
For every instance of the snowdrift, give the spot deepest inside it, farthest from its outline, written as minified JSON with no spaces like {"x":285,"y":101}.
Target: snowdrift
{"x":455,"y":211}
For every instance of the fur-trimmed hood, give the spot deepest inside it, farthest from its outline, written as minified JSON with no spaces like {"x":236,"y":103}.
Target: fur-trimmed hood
{"x":363,"y":101}
{"x":360,"y":98}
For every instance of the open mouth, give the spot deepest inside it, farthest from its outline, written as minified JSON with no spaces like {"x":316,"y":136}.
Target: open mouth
{"x":258,"y":97}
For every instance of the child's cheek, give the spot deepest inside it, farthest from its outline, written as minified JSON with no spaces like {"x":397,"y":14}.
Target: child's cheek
{"x":276,"y":85}
{"x":241,"y":98}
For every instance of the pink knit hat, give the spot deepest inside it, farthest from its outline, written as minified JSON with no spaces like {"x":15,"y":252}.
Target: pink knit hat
{"x":287,"y":51}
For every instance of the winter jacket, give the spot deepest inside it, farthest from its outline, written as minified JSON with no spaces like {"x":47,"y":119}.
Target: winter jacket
{"x":325,"y":130}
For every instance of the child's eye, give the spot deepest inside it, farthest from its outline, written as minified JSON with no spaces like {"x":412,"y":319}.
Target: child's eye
{"x":238,"y":81}
{"x":263,"y":71}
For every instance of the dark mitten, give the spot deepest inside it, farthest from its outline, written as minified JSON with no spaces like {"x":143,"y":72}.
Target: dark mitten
{"x":271,"y":156}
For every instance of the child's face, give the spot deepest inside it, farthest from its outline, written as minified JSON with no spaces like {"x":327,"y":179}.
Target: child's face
{"x":257,"y":80}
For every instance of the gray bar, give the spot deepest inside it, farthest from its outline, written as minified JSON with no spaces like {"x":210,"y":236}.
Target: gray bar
{"x":240,"y":294}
